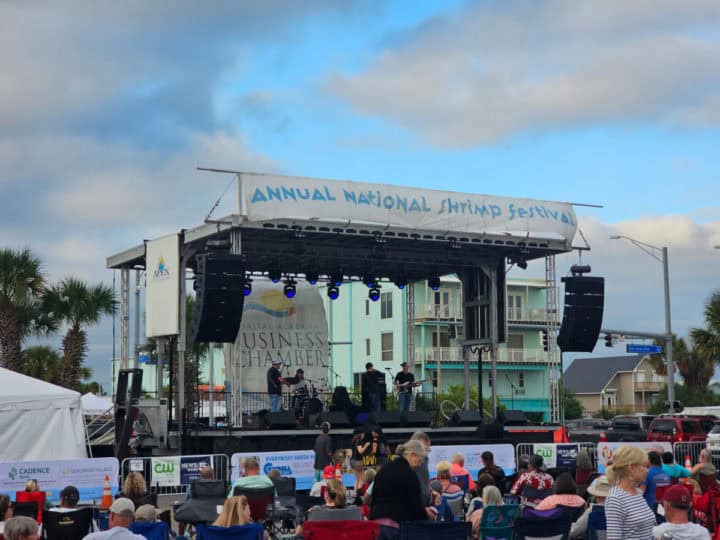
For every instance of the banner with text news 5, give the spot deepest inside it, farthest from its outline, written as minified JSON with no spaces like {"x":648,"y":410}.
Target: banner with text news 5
{"x":557,"y":455}
{"x":88,"y":475}
{"x":605,"y":450}
{"x":268,"y":197}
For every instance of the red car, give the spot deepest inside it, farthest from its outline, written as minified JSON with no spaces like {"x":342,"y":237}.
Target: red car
{"x":680,"y":428}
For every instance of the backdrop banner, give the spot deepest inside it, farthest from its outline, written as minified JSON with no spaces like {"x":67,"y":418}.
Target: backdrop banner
{"x":605,"y":450}
{"x":268,"y":197}
{"x":162,"y":293}
{"x":274,"y":326}
{"x":88,"y":475}
{"x":504,"y":455}
{"x":297,"y":464}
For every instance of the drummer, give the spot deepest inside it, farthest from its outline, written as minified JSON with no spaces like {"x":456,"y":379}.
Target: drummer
{"x":298,"y":383}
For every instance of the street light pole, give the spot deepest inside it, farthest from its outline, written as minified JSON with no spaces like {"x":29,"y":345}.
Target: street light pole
{"x":668,"y":326}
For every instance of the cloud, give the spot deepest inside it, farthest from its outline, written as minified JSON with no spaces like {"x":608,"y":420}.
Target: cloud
{"x":495,"y":70}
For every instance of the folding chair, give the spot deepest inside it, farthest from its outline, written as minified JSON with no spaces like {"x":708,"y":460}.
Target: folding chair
{"x":341,"y":530}
{"x":462,"y":480}
{"x":597,"y":526}
{"x":573,"y":513}
{"x":428,"y":530}
{"x":157,"y":530}
{"x":456,"y":502}
{"x":535,"y":494}
{"x":205,"y":497}
{"x":251,"y":531}
{"x":262,"y":506}
{"x":498,"y":522}
{"x":548,"y":529}
{"x":27,"y":509}
{"x":37,"y":497}
{"x":67,"y":525}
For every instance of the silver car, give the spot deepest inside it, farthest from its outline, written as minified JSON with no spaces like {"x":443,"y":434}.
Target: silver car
{"x":713,"y":440}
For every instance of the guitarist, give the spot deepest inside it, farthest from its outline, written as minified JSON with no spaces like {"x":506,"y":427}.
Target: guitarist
{"x":404,"y":382}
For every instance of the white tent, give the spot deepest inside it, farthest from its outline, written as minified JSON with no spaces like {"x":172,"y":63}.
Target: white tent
{"x":92,"y":404}
{"x":39,"y":420}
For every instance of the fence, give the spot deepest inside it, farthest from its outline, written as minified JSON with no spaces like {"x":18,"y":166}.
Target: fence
{"x":163,"y":481}
{"x":527,"y":449}
{"x":681,"y":450}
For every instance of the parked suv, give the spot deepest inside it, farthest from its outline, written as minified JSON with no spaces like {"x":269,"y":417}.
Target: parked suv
{"x":713,"y":439}
{"x":680,"y":428}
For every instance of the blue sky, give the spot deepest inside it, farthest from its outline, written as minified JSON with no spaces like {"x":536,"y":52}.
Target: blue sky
{"x":107,"y":109}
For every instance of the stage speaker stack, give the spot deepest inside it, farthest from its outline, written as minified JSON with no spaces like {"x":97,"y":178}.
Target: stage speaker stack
{"x":416,"y":419}
{"x":337,"y":419}
{"x":491,"y":431}
{"x":386,"y":419}
{"x":219,"y":287}
{"x":582,"y":313}
{"x":466,"y":418}
{"x":512,"y":417}
{"x":280,"y":420}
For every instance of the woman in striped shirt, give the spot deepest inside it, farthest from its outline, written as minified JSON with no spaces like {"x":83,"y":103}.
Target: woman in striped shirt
{"x":627,"y":513}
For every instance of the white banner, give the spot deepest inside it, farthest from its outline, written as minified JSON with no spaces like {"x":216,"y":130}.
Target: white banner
{"x":162,"y":294}
{"x":88,"y":475}
{"x":605,"y":450}
{"x":297,"y":464}
{"x":165,"y":471}
{"x":274,"y":326}
{"x":268,"y":197}
{"x":503,"y":454}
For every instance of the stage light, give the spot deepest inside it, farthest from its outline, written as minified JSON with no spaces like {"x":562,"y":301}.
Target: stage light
{"x":274,"y":275}
{"x":522,"y":263}
{"x":247,"y":289}
{"x":312,"y":277}
{"x":401,"y":281}
{"x":434,"y":282}
{"x":289,"y":290}
{"x":336,"y":278}
{"x":333,"y":292}
{"x":374,"y":294}
{"x":370,"y":281}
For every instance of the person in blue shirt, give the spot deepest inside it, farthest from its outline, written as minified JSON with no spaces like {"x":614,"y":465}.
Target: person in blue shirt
{"x":656,"y":477}
{"x":672,"y":469}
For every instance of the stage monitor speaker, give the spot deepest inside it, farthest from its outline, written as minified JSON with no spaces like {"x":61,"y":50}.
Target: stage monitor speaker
{"x":337,"y":419}
{"x":512,"y":417}
{"x":465,"y":418}
{"x":386,"y":419}
{"x":280,"y":420}
{"x":582,"y":313}
{"x":219,"y":284}
{"x":416,"y":419}
{"x":493,"y":431}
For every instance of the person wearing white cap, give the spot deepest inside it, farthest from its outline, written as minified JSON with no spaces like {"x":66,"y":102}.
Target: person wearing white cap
{"x":122,"y":514}
{"x":274,"y":385}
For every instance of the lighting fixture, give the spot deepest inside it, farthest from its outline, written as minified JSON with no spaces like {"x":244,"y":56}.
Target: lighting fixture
{"x":333,"y":291}
{"x":434,"y":282}
{"x":312,"y":277}
{"x":247,"y":289}
{"x":374,"y":293}
{"x":289,"y":290}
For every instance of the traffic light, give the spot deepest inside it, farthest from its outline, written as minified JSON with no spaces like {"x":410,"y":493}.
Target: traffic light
{"x":545,"y":340}
{"x":608,"y":340}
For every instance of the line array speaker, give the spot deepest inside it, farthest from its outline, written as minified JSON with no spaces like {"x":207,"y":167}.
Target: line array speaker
{"x":582,"y":313}
{"x":466,"y":418}
{"x":219,"y":283}
{"x":280,"y":420}
{"x":512,"y":417}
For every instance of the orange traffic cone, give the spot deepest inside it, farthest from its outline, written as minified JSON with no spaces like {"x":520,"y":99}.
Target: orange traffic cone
{"x":688,"y":463}
{"x":106,"y":500}
{"x":338,"y":472}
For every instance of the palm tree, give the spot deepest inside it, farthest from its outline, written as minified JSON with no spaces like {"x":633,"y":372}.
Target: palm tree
{"x":79,"y":305}
{"x":22,"y":285}
{"x":707,"y":340}
{"x":43,"y":363}
{"x":696,"y":369}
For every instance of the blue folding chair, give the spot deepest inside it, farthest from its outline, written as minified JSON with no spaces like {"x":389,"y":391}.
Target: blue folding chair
{"x":251,"y":531}
{"x":462,"y":480}
{"x":549,"y":529}
{"x":157,"y":530}
{"x":597,"y":525}
{"x":429,"y":530}
{"x":498,"y":522}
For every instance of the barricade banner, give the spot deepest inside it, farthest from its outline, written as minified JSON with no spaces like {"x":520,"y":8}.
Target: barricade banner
{"x":165,"y":471}
{"x":190,"y":467}
{"x":298,"y":464}
{"x":88,"y":475}
{"x":556,"y":454}
{"x":605,"y":450}
{"x":504,"y":456}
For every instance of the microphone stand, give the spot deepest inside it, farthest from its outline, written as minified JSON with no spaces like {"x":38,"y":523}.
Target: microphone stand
{"x":512,"y":392}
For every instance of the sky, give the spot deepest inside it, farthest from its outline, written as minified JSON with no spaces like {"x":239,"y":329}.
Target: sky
{"x":107,"y":108}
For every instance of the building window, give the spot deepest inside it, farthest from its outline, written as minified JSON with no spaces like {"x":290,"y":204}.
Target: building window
{"x":521,"y":379}
{"x":444,"y":339}
{"x":367,"y":347}
{"x":386,"y":305}
{"x":386,"y":340}
{"x":514,"y":305}
{"x":367,"y":307}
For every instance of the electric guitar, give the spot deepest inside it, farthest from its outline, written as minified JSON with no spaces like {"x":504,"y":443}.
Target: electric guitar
{"x":398,"y":388}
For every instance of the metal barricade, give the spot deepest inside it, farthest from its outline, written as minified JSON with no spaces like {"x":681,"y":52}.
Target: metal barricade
{"x":144,"y":465}
{"x":591,"y":450}
{"x":526,"y":450}
{"x":683,"y":450}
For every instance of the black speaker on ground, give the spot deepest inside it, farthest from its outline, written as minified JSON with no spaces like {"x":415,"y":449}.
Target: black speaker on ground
{"x":337,"y":419}
{"x":386,"y":419}
{"x":416,"y":419}
{"x":466,"y":418}
{"x":512,"y":417}
{"x":219,"y":289}
{"x":582,"y":313}
{"x":493,"y":431}
{"x":280,"y":420}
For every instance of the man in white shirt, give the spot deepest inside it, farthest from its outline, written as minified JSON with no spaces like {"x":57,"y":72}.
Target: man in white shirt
{"x":122,"y":514}
{"x":676,"y":502}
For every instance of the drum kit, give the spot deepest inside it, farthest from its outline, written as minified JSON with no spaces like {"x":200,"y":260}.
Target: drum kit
{"x":306,"y":403}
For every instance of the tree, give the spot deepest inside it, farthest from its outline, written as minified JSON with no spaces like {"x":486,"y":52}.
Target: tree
{"x":22,"y":285}
{"x":79,"y":305}
{"x":42,"y":362}
{"x":689,"y":397}
{"x":707,"y":340}
{"x":571,"y":405}
{"x":696,"y":369}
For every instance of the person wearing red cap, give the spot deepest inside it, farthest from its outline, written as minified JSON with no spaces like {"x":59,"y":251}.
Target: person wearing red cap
{"x":328,"y":473}
{"x":677,"y":502}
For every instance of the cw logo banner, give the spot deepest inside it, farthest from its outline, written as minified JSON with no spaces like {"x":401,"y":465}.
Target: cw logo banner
{"x":166,"y":471}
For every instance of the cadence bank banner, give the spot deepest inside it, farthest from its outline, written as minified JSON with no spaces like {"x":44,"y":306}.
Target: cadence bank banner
{"x":293,"y":330}
{"x":268,"y":197}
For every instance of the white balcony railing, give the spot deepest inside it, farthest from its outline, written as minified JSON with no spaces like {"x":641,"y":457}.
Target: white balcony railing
{"x":524,"y":314}
{"x":439,"y":311}
{"x":454,"y":355}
